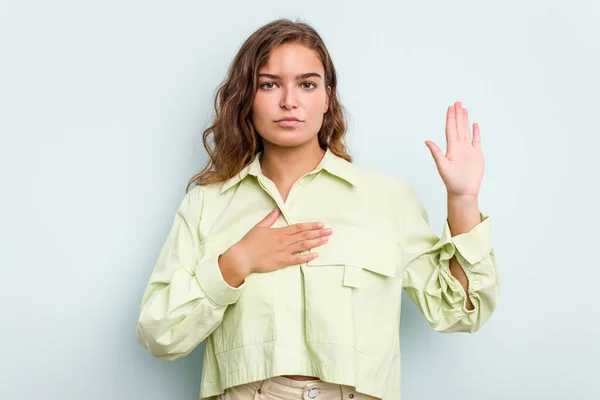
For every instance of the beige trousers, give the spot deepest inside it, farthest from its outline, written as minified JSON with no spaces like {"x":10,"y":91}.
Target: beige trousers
{"x":280,"y":387}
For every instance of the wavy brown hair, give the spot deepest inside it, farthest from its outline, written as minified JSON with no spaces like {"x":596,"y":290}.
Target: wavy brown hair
{"x":235,"y":142}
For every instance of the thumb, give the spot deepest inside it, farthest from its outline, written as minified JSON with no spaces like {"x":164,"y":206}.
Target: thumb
{"x":436,"y":153}
{"x":270,"y":218}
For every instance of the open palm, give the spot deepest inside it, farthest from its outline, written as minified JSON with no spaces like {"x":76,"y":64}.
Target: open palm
{"x":461,"y":168}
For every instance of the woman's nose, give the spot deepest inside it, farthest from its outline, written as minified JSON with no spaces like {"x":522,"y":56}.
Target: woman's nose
{"x":289,"y":99}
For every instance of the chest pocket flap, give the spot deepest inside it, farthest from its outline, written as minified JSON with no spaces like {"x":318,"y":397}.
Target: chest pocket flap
{"x":358,"y":249}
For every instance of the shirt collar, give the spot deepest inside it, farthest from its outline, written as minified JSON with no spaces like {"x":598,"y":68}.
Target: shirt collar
{"x":330,"y":162}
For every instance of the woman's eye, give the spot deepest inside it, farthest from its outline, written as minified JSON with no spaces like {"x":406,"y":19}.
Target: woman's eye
{"x":267,"y":85}
{"x":310,"y":85}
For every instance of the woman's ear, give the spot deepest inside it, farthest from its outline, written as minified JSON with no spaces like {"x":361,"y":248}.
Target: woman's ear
{"x":327,"y":99}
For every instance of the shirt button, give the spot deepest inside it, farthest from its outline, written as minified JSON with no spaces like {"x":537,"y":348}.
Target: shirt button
{"x":312,"y":393}
{"x":351,"y":395}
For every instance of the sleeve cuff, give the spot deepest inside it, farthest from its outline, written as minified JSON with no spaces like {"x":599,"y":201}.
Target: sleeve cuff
{"x":217,"y":290}
{"x":474,"y":245}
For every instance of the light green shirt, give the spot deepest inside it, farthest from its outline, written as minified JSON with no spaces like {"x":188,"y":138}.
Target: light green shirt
{"x":336,"y":317}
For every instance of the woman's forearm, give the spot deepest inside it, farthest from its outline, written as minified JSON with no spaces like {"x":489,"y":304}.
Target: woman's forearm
{"x":463,"y":215}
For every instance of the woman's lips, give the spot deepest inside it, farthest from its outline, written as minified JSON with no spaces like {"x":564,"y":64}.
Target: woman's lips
{"x":289,"y":123}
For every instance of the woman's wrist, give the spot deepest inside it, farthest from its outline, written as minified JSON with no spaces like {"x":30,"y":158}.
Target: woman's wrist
{"x":234,"y":266}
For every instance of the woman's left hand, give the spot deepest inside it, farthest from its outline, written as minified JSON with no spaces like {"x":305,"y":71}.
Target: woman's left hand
{"x":461,"y":168}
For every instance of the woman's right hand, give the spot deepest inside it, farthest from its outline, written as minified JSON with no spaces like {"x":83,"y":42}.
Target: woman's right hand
{"x":265,"y":249}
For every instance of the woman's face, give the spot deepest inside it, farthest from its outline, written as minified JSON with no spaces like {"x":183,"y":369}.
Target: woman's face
{"x":290,"y":85}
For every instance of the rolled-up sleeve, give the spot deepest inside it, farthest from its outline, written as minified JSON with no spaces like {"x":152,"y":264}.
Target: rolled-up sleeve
{"x":186,"y":295}
{"x":426,"y":270}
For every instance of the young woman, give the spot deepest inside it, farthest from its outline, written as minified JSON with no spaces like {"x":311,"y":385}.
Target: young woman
{"x":289,"y":260}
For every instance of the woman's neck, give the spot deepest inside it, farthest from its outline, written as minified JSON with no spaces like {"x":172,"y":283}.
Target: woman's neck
{"x":287,"y":164}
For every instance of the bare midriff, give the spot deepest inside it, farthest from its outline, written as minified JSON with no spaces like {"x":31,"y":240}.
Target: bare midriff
{"x":300,"y":377}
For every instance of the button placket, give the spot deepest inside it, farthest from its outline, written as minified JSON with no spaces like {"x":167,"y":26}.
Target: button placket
{"x":296,"y":187}
{"x":269,"y":187}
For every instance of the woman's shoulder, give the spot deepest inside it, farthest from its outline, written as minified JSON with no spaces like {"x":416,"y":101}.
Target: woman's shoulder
{"x":199,"y":191}
{"x":374,"y":178}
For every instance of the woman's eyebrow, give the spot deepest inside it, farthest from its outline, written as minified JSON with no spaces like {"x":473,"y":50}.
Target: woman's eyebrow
{"x":303,"y":76}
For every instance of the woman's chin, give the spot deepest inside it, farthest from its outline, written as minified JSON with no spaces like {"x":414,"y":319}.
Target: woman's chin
{"x":289,"y":140}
